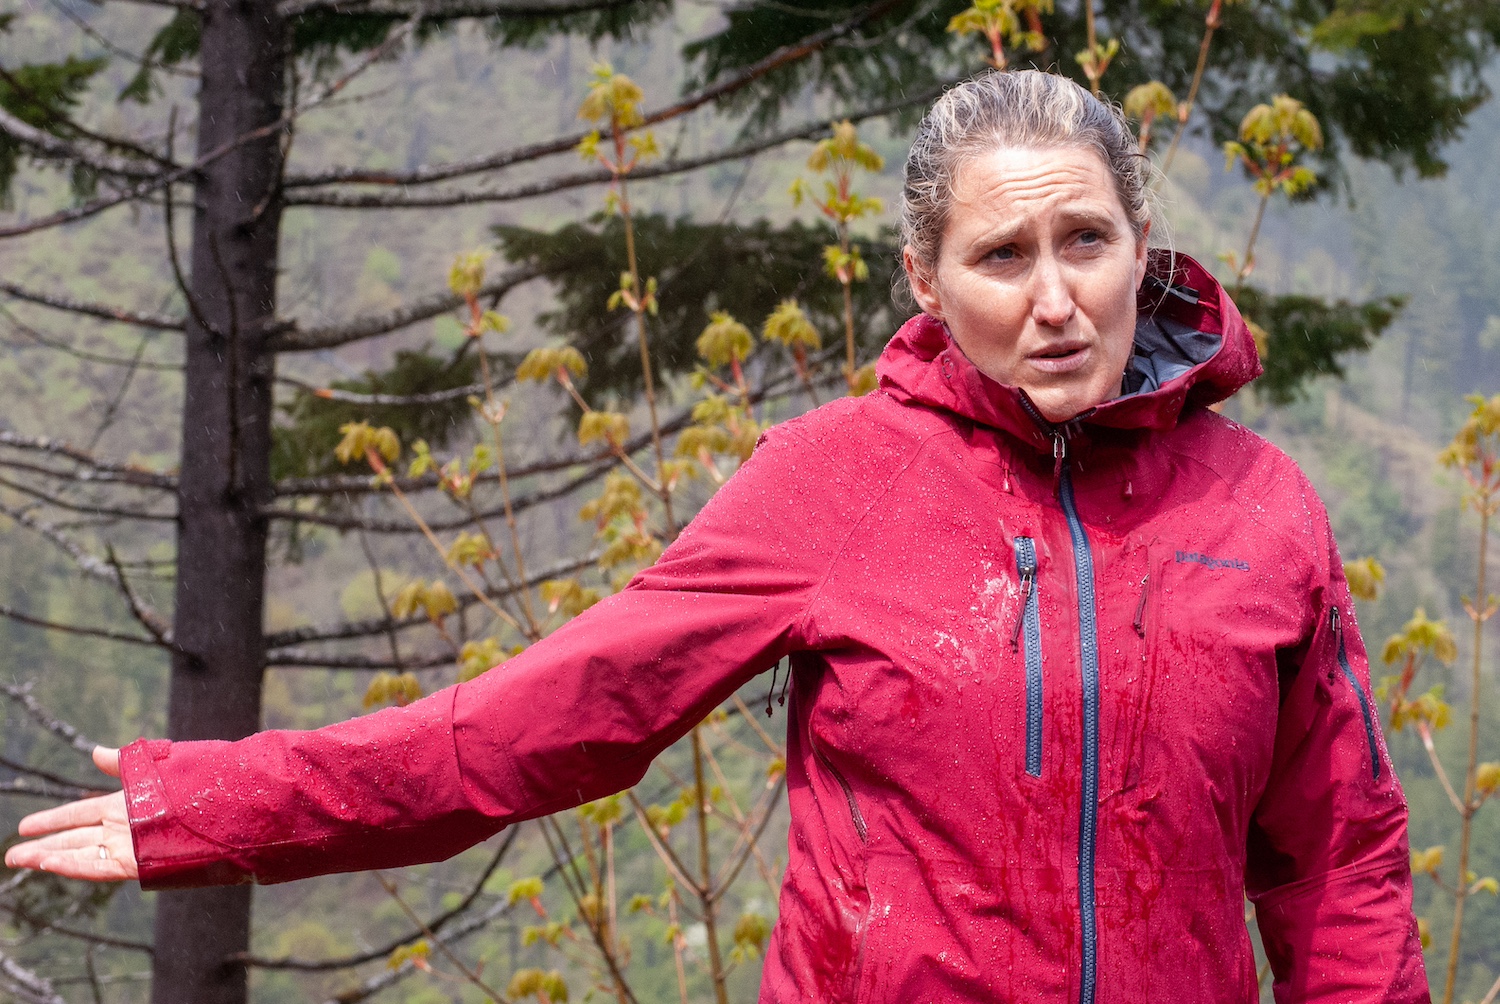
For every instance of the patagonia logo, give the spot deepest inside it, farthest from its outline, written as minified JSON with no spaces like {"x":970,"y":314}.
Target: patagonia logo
{"x":1193,"y":557}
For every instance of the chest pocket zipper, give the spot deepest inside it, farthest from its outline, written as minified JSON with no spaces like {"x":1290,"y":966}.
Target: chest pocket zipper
{"x":1030,"y":622}
{"x":1364,"y":702}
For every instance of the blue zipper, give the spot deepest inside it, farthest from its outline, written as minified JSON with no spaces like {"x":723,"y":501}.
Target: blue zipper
{"x":1088,"y":644}
{"x":1364,"y":702}
{"x":1031,"y":618}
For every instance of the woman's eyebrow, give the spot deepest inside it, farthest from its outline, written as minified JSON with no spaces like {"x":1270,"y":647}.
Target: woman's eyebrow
{"x":1007,"y":232}
{"x":1089,"y":218}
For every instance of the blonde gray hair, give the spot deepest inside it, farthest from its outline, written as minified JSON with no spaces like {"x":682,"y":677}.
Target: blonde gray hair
{"x":1010,"y":110}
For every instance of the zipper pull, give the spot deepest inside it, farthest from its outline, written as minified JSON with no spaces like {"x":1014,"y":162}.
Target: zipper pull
{"x":1026,"y":582}
{"x":1336,"y":623}
{"x":1140,"y":610}
{"x":1059,"y":453}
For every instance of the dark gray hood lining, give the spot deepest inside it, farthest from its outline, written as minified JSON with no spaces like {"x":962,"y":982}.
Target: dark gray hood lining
{"x":1164,"y":350}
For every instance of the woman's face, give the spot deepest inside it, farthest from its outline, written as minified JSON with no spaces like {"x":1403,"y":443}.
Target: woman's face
{"x":1037,"y":275}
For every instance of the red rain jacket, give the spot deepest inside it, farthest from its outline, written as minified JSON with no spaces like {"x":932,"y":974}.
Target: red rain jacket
{"x":1060,"y":697}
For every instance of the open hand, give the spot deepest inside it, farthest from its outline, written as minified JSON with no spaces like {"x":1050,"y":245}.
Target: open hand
{"x":87,"y":839}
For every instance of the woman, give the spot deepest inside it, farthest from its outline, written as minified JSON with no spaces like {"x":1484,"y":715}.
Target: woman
{"x":1074,"y":661}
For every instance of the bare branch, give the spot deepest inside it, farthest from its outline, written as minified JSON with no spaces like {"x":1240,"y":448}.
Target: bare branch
{"x":363,"y":484}
{"x":389,"y":976}
{"x":749,"y":841}
{"x":72,"y":932}
{"x":139,"y":609}
{"x":294,"y":659}
{"x":85,"y":476}
{"x":1494,"y":991}
{"x":57,"y":345}
{"x":42,"y":789}
{"x":433,"y":926}
{"x":292,"y":338}
{"x":177,"y":4}
{"x":105,"y":633}
{"x":91,"y":509}
{"x":124,"y":54}
{"x":379,"y":625}
{"x":456,"y":523}
{"x":489,"y":162}
{"x":97,"y":470}
{"x":165,"y":179}
{"x":444,"y":10}
{"x":95,"y":567}
{"x":21,"y":694}
{"x":24,"y":985}
{"x":50,"y":778}
{"x":99,"y":310}
{"x":599,"y":466}
{"x":388,"y":400}
{"x":45,"y":144}
{"x":403,"y":200}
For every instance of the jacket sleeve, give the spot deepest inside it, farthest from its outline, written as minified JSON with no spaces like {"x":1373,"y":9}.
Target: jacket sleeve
{"x":1328,"y":867}
{"x":576,"y":716}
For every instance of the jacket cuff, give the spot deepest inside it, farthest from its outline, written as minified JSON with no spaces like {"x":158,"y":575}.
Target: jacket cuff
{"x":168,"y":855}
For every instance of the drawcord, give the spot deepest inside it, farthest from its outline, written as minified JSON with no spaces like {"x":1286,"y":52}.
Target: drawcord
{"x":785,"y":683}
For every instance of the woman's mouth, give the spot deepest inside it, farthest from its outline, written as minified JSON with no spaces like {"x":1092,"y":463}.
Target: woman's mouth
{"x":1061,"y":359}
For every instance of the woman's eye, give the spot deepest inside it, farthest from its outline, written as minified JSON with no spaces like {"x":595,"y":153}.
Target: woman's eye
{"x":1003,"y":254}
{"x":1090,"y":237}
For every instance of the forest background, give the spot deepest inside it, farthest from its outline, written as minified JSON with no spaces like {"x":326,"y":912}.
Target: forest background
{"x":1415,"y":221}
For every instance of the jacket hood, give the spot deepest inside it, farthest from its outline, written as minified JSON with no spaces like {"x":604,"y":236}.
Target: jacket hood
{"x":1191,"y":345}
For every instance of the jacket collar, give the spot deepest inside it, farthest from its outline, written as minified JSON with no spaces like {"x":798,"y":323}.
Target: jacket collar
{"x":1191,"y":346}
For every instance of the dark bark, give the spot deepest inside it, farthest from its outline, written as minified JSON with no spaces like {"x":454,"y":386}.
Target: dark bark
{"x":225,"y":472}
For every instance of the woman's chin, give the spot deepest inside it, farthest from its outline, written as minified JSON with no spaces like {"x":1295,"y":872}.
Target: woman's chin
{"x":1059,"y":404}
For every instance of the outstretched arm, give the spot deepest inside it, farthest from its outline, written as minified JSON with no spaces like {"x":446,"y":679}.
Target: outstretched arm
{"x":87,"y":839}
{"x":577,"y":716}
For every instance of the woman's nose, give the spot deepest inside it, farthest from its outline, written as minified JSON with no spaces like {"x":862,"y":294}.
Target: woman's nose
{"x":1051,"y":299}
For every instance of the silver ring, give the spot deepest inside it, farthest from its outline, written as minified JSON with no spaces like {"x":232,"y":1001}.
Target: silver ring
{"x":103,"y":853}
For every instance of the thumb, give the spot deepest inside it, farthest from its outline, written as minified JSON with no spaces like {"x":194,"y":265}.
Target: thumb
{"x":107,"y":760}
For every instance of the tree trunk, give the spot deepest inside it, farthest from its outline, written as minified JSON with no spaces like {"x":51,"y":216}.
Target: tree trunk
{"x":225,"y":468}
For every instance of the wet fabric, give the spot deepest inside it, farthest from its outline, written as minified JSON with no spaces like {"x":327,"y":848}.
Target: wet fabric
{"x":911,"y":553}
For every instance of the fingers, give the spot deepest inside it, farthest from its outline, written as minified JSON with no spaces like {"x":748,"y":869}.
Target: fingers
{"x":97,"y":854}
{"x":85,"y":812}
{"x":107,"y":760}
{"x":84,"y":840}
